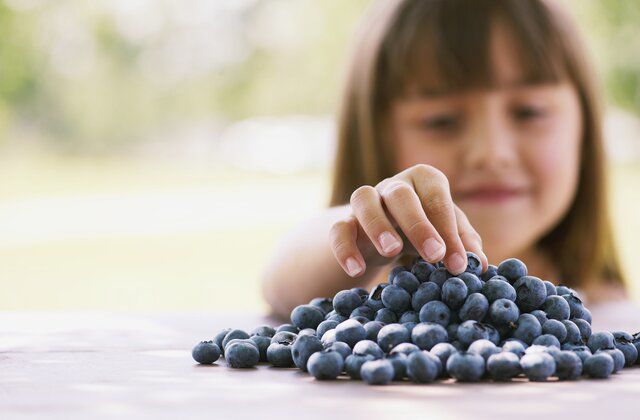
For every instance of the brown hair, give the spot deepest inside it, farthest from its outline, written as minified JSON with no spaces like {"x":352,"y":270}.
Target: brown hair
{"x":447,"y":41}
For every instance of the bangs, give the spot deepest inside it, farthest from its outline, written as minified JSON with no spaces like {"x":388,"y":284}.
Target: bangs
{"x":445,"y":45}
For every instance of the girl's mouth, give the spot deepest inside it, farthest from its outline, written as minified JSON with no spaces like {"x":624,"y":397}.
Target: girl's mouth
{"x":491,"y":194}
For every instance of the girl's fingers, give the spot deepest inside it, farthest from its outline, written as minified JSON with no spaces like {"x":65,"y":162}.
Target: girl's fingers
{"x":366,"y":205}
{"x":432,"y":188}
{"x":343,"y":237}
{"x":404,"y":206}
{"x":470,"y":238}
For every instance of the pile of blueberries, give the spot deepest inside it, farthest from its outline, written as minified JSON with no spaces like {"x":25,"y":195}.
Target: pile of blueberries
{"x":426,"y":323}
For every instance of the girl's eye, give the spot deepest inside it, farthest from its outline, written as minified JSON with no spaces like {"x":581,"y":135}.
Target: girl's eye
{"x":442,"y":122}
{"x":527,"y":113}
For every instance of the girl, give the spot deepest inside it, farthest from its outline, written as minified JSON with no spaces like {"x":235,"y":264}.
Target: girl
{"x":460,"y":120}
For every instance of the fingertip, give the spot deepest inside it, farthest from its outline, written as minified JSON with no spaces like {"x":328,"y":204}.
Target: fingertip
{"x":456,"y":263}
{"x":354,"y":268}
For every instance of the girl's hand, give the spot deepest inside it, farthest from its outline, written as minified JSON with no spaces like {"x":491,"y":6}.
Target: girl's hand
{"x":418,"y":201}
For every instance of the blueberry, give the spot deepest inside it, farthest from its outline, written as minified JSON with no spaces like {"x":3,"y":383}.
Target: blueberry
{"x":470,"y":331}
{"x":624,"y":342}
{"x":512,"y":269}
{"x":465,"y":366}
{"x":474,"y":265}
{"x":616,"y":355}
{"x":573,"y":332}
{"x":504,"y":312}
{"x":555,"y":328}
{"x":551,"y":289}
{"x":328,"y":338}
{"x":409,"y":316}
{"x":304,"y":347}
{"x":326,"y":364}
{"x":484,"y":348}
{"x":361,"y":292}
{"x":377,"y":372}
{"x":324,"y":304}
{"x":241,"y":354}
{"x":391,"y":335}
{"x":233,"y":334}
{"x":334,"y":316}
{"x":372,"y":328}
{"x":584,"y":327}
{"x":406,"y":348}
{"x":492,"y":333}
{"x":575,"y":305}
{"x":365,"y":347}
{"x":288,"y":327}
{"x":454,"y":292}
{"x":350,"y":332}
{"x":581,"y":351}
{"x":307,"y":331}
{"x":530,"y":293}
{"x":324,"y":327}
{"x":514,"y":346}
{"x":452,"y":331}
{"x":206,"y":352}
{"x":598,"y":366}
{"x":556,"y":307}
{"x":353,"y":364}
{"x":340,"y":347}
{"x":386,"y":315}
{"x":399,"y":362}
{"x":394,"y":271}
{"x":306,"y":316}
{"x":279,"y":354}
{"x":540,"y":315}
{"x":284,"y":335}
{"x":262,"y":343}
{"x":345,"y":301}
{"x":568,"y":365}
{"x":600,"y":340}
{"x":363,"y":311}
{"x":427,"y":334}
{"x":495,"y":289}
{"x":374,"y":301}
{"x":443,"y":351}
{"x":475,"y":307}
{"x":546,"y":340}
{"x":503,"y":366}
{"x":527,"y":329}
{"x":396,"y":298}
{"x":422,"y":270}
{"x":219,"y":337}
{"x":636,"y":343}
{"x":473,"y":283}
{"x":561,"y":289}
{"x":439,"y":276}
{"x":492,"y":270}
{"x":407,"y":281}
{"x":538,"y":366}
{"x":426,"y":292}
{"x":435,"y":311}
{"x":537,"y":348}
{"x":421,"y":368}
{"x":586,"y":315}
{"x":263,"y":331}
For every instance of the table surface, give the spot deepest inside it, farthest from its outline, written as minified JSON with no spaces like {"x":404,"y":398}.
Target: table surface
{"x":100,"y":365}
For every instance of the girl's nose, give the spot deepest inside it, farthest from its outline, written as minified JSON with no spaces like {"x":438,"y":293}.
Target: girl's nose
{"x":491,"y":142}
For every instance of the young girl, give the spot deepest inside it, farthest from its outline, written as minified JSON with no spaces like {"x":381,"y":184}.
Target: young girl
{"x":460,"y":120}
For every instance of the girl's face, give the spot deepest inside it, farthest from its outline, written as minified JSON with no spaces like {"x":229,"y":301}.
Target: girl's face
{"x":511,"y":154}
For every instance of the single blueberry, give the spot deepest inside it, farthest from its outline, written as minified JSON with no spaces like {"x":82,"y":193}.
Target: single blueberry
{"x":372,"y":328}
{"x":443,"y":351}
{"x":409,"y":316}
{"x":365,"y":347}
{"x":233,"y":334}
{"x":555,"y":328}
{"x":538,"y":366}
{"x":465,"y":366}
{"x":262,"y":343}
{"x":427,"y":334}
{"x":406,"y":348}
{"x":353,"y":364}
{"x":503,"y":366}
{"x":284,"y":335}
{"x":561,"y":289}
{"x":340,"y":347}
{"x":374,"y":301}
{"x":581,"y":351}
{"x":598,"y":366}
{"x":624,"y":342}
{"x":454,"y":292}
{"x":386,"y":315}
{"x":439,"y":276}
{"x":616,"y":355}
{"x":334,"y":316}
{"x":527,"y":329}
{"x":568,"y":365}
{"x":426,"y":292}
{"x":304,"y":347}
{"x":492,"y":270}
{"x":391,"y":335}
{"x":421,"y":368}
{"x":573,"y":332}
{"x":324,"y":304}
{"x":495,"y":289}
{"x":504,"y":312}
{"x":470,"y":331}
{"x":493,"y":334}
{"x":435,"y":311}
{"x":279,"y":354}
{"x":512,"y":269}
{"x":399,"y":362}
{"x":288,"y":327}
{"x":407,"y":281}
{"x":474,"y":265}
{"x":452,"y":331}
{"x":307,"y":331}
{"x":377,"y":372}
{"x":345,"y":301}
{"x":363,"y":293}
{"x":546,"y":340}
{"x":306,"y":316}
{"x":575,"y":304}
{"x":396,"y":298}
{"x":551,"y":289}
{"x":394,"y":271}
{"x":328,"y":338}
{"x":326,"y":364}
{"x":220,"y":337}
{"x":541,"y":315}
{"x":350,"y":331}
{"x":241,"y":355}
{"x":473,"y":283}
{"x":324,"y":327}
{"x":422,"y":270}
{"x":475,"y":307}
{"x":363,"y":311}
{"x":484,"y":348}
{"x":263,"y":331}
{"x":556,"y":307}
{"x":514,"y":346}
{"x":206,"y":352}
{"x":530,"y":293}
{"x":586,"y":315}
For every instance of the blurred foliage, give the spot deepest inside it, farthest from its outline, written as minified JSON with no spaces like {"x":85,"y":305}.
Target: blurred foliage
{"x":95,"y":77}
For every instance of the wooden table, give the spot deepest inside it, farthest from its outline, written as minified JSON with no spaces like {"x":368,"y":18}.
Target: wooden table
{"x":99,"y":365}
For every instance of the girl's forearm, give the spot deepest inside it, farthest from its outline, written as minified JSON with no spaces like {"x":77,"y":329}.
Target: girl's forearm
{"x":303,"y":266}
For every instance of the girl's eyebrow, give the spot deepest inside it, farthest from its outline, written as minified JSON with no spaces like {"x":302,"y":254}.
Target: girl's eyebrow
{"x":433,"y":93}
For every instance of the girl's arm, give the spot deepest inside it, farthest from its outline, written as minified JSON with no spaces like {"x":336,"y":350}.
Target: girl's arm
{"x":304,"y":267}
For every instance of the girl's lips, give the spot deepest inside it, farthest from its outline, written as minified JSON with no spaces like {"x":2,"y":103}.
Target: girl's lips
{"x":491,"y":195}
